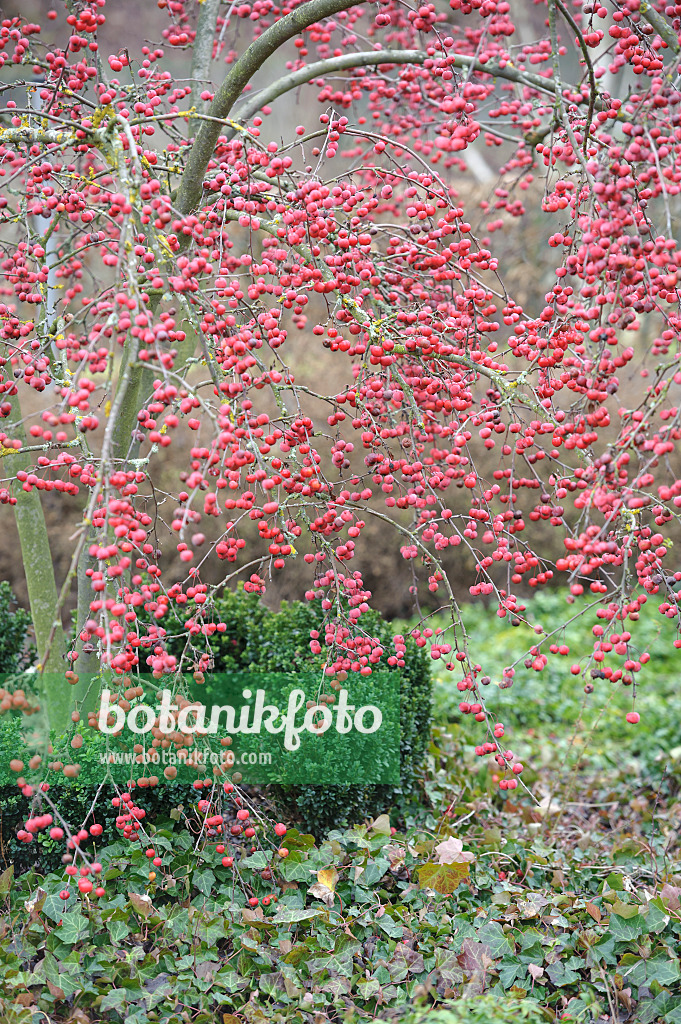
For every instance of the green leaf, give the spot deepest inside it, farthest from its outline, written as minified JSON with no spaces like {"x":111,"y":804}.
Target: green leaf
{"x":624,"y":929}
{"x":662,"y":1005}
{"x":510,"y":969}
{"x":53,"y":907}
{"x":625,"y":910}
{"x":257,"y":861}
{"x":204,"y":881}
{"x":560,"y":974}
{"x":295,"y":841}
{"x":115,"y":999}
{"x":337,"y":963}
{"x":374,"y":871}
{"x":73,"y":927}
{"x":118,"y":930}
{"x":492,"y":934}
{"x":665,"y":971}
{"x":657,"y":917}
{"x":290,"y":915}
{"x":390,"y":926}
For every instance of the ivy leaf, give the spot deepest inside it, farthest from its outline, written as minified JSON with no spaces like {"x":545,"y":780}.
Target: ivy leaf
{"x":53,"y":907}
{"x":625,"y":910}
{"x":512,"y":968}
{"x":204,"y":881}
{"x":373,"y":872}
{"x":390,"y":926}
{"x":476,"y":961}
{"x":6,"y":879}
{"x":73,"y":927}
{"x":118,"y":930}
{"x":665,"y":971}
{"x":296,"y":841}
{"x":492,"y":934}
{"x":115,"y":999}
{"x":443,"y":878}
{"x":624,"y":929}
{"x":291,"y":915}
{"x":560,"y":974}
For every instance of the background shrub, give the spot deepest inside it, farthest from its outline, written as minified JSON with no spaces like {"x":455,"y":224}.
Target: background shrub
{"x":16,"y":648}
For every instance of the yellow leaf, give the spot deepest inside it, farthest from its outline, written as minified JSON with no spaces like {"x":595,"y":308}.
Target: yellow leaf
{"x":443,"y":878}
{"x":324,"y":887}
{"x":328,"y":877}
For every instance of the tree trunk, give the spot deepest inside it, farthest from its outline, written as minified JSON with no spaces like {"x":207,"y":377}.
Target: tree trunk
{"x":57,"y":694}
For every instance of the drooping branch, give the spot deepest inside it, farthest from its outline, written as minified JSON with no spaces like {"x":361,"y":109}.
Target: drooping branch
{"x":367,"y":58}
{"x":240,"y":74}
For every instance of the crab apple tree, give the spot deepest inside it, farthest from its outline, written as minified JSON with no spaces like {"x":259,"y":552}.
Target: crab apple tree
{"x":172,"y":248}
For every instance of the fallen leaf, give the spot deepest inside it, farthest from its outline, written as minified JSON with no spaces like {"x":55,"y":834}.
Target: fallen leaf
{"x":594,"y":911}
{"x":35,"y":904}
{"x":325,"y":886}
{"x":141,"y":903}
{"x":451,"y":851}
{"x":670,"y":896}
{"x":328,"y":877}
{"x":54,"y":990}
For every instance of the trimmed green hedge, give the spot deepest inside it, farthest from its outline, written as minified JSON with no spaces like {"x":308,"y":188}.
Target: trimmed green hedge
{"x":264,"y":641}
{"x":258,"y":641}
{"x":74,"y":798}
